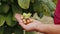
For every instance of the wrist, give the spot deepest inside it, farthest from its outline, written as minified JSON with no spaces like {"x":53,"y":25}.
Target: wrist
{"x":42,"y":28}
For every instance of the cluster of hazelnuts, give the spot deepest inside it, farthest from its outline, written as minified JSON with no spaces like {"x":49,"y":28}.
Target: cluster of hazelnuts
{"x":26,"y":18}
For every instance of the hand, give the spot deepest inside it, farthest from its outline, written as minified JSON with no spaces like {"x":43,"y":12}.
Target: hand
{"x":29,"y":27}
{"x":38,"y":26}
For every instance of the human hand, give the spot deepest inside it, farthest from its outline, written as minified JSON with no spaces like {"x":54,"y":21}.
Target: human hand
{"x":34,"y":26}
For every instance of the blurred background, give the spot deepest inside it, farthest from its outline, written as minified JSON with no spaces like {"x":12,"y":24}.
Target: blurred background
{"x":42,"y":10}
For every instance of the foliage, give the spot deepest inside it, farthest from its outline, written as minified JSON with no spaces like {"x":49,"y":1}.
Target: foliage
{"x":8,"y":8}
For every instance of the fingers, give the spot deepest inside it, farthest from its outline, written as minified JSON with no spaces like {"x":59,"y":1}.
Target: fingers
{"x":18,"y":17}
